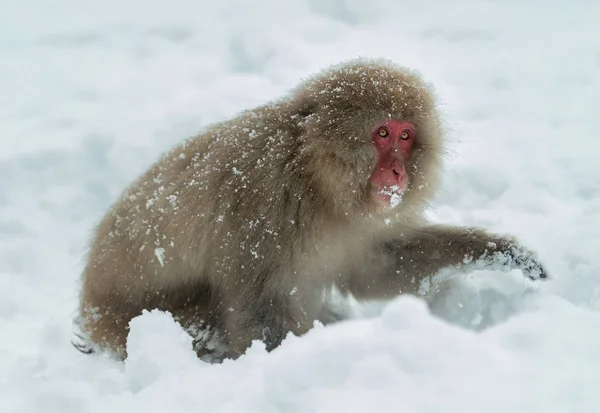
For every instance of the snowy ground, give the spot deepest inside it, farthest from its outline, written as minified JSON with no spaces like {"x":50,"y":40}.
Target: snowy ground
{"x":92,"y":92}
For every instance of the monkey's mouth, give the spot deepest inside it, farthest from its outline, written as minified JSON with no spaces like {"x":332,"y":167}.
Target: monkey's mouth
{"x":389,"y":195}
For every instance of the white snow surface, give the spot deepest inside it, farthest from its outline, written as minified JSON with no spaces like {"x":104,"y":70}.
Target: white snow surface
{"x":92,"y":92}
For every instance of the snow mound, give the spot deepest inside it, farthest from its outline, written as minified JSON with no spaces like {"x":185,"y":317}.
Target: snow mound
{"x":406,"y":360}
{"x":156,"y":346}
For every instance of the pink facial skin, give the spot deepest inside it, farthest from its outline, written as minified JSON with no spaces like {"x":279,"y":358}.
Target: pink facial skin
{"x":393,"y":141}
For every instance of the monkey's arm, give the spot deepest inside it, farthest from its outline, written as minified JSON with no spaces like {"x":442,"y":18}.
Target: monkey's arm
{"x":400,"y":264}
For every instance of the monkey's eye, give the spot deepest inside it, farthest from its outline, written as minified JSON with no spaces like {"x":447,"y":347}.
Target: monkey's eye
{"x":383,"y":132}
{"x":405,"y":135}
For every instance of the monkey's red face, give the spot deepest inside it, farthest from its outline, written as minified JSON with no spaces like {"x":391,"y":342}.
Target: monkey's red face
{"x":393,"y":141}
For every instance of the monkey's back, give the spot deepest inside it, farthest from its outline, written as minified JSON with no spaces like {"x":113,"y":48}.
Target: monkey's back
{"x":201,"y":218}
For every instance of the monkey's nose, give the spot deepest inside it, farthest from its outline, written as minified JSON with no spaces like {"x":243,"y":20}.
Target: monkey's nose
{"x":398,"y":170}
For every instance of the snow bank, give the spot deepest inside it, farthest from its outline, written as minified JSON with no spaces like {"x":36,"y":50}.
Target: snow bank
{"x":404,"y":360}
{"x":92,"y":93}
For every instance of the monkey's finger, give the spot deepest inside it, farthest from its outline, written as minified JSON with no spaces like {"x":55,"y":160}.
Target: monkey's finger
{"x":535,"y":271}
{"x":527,"y":261}
{"x":80,"y":344}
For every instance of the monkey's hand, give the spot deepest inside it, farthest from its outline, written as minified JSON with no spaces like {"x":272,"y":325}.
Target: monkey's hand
{"x":523,"y":259}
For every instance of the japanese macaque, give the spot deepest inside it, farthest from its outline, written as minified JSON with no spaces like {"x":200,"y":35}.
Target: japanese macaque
{"x":243,"y":230}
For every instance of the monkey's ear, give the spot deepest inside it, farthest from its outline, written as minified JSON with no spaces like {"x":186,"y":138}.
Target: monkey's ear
{"x":307,"y":108}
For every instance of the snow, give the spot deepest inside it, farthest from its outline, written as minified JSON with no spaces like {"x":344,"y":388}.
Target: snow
{"x":93,"y":92}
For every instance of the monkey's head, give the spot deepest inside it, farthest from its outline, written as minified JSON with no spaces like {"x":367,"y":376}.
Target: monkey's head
{"x":373,"y":136}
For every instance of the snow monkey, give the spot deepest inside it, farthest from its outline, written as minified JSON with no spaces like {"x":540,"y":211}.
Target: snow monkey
{"x":241,"y":231}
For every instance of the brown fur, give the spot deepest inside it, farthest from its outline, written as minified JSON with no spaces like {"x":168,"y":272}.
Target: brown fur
{"x":246,"y":226}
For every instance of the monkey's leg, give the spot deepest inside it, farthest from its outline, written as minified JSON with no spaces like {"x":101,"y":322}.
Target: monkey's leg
{"x":398,"y":265}
{"x":269,"y":318}
{"x":243,"y":324}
